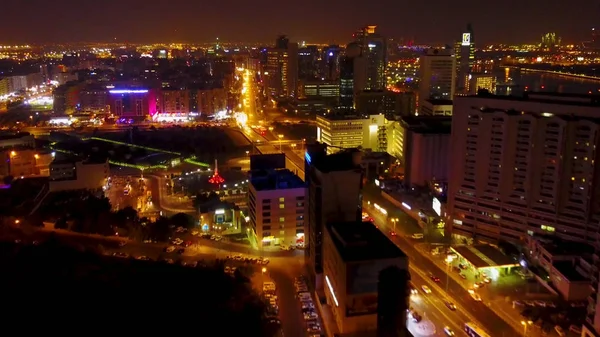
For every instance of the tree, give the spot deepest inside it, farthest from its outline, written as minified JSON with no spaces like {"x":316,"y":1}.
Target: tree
{"x":160,"y":230}
{"x":183,"y":220}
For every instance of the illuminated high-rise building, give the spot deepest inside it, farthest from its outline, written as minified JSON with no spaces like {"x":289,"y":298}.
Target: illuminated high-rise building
{"x":464,"y":51}
{"x":353,"y":76}
{"x":281,"y":70}
{"x":437,"y":75}
{"x":374,"y":50}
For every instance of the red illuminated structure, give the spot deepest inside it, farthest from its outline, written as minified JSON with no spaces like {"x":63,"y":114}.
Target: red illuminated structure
{"x":216,"y":179}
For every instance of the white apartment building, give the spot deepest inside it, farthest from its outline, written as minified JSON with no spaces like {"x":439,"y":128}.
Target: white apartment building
{"x":524,"y":167}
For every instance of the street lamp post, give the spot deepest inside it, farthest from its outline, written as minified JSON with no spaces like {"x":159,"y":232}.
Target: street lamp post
{"x":280,"y":143}
{"x":525,"y":324}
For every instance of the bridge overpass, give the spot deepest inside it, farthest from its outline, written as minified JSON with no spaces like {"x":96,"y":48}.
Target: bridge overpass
{"x":266,"y":145}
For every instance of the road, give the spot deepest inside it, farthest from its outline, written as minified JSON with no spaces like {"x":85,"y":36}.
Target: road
{"x":421,"y":266}
{"x":294,"y":162}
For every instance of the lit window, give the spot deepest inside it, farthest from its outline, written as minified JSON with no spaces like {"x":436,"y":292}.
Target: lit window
{"x":282,"y":219}
{"x":282,"y":199}
{"x":281,"y":206}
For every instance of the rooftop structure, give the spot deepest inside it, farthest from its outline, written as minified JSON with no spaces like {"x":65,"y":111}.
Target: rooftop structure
{"x":361,"y":241}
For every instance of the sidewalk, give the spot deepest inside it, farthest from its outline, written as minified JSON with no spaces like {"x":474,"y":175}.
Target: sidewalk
{"x":501,"y":305}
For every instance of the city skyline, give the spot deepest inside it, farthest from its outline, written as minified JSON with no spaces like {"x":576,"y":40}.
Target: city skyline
{"x":36,"y":21}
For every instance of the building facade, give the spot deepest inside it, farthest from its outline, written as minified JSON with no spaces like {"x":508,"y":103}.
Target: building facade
{"x":525,"y":167}
{"x":276,"y":203}
{"x":354,"y":255}
{"x":437,"y":75}
{"x":334,"y":194}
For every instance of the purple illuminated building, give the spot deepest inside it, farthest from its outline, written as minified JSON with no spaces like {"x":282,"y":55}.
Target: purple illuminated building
{"x":133,"y":103}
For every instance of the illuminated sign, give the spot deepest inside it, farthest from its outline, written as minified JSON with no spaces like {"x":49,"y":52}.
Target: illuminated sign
{"x":307,"y":157}
{"x":437,"y":206}
{"x":219,"y":211}
{"x":466,"y":40}
{"x":143,"y":91}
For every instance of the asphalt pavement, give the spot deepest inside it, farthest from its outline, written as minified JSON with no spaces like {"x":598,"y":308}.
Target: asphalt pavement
{"x":421,"y":266}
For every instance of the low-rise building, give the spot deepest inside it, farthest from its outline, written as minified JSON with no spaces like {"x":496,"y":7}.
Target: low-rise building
{"x":436,"y":107}
{"x":276,"y":201}
{"x":78,"y":175}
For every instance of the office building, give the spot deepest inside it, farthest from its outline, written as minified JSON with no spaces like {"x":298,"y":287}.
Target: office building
{"x":354,"y":256}
{"x":464,"y":51}
{"x":308,"y":63}
{"x":481,"y":81}
{"x":386,"y":102}
{"x":210,"y":101}
{"x":78,"y":175}
{"x":93,"y":99}
{"x":374,"y":49}
{"x":353,"y":76}
{"x":426,"y":150}
{"x":173,"y":102}
{"x":437,"y":75}
{"x":66,"y":98}
{"x":317,"y":89}
{"x":334,"y":194}
{"x":330,"y":63}
{"x":276,"y":201}
{"x":436,"y":107}
{"x":341,"y":131}
{"x":281,"y":70}
{"x":135,"y":103}
{"x":525,"y":167}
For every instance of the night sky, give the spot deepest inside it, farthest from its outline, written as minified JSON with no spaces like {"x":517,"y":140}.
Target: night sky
{"x":319,"y":21}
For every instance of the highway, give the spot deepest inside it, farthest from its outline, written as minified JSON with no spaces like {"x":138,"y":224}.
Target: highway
{"x":420,"y":268}
{"x":294,"y":162}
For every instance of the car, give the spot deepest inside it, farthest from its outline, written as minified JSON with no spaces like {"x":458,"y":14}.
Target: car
{"x":413,"y":290}
{"x":487,"y":280}
{"x":416,"y":318}
{"x":392,"y":233}
{"x":434,"y":278}
{"x":169,"y":261}
{"x":121,"y":255}
{"x":194,"y":233}
{"x":265,"y":262}
{"x":450,"y":305}
{"x":426,"y":289}
{"x":559,"y":330}
{"x":448,"y":331}
{"x":122,"y":243}
{"x":170,"y":249}
{"x":475,"y":296}
{"x":143,"y":258}
{"x":463,"y":276}
{"x":462,"y":266}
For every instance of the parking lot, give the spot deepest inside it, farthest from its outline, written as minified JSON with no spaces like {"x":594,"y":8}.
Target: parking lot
{"x":129,"y":192}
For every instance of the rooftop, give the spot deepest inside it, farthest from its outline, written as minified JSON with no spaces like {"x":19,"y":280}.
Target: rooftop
{"x":588,"y":100}
{"x":428,"y":124}
{"x":361,"y":241}
{"x":341,"y":161}
{"x":439,"y":101}
{"x":484,"y":256}
{"x":344,"y":115}
{"x":280,"y":179}
{"x":567,"y":269}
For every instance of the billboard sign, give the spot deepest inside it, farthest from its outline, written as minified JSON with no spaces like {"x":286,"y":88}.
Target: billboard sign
{"x":466,"y":39}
